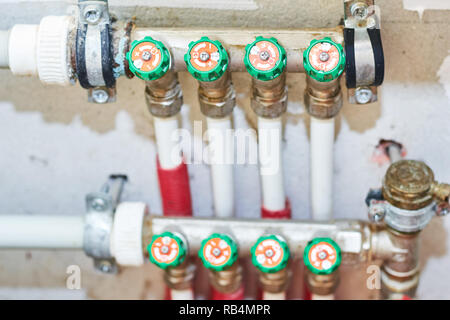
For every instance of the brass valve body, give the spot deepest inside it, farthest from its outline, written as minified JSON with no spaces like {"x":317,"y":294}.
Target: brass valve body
{"x":407,"y":185}
{"x":181,"y":277}
{"x":269,"y":98}
{"x":323,"y":100}
{"x":322,"y":284}
{"x":163,"y":96}
{"x":217,"y":98}
{"x":227,"y":281}
{"x":275,"y":282}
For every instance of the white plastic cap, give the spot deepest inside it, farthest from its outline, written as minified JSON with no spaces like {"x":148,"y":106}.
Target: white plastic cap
{"x":53,"y":61}
{"x":22,"y":49}
{"x":126,"y":240}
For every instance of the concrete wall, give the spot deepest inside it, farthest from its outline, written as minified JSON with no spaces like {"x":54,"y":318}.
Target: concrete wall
{"x":56,"y":147}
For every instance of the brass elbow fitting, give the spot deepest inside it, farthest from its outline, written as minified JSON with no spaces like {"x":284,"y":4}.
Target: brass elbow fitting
{"x":322,"y":285}
{"x":217,"y":98}
{"x":227,"y":281}
{"x":323,"y":100}
{"x":269,"y":98}
{"x":180,"y":277}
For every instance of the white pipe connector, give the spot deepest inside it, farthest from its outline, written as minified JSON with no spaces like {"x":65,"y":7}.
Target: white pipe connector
{"x":221,"y":153}
{"x":271,"y":164}
{"x":322,"y":142}
{"x":41,"y":50}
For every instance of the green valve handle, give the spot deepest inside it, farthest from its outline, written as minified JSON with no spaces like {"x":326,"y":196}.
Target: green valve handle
{"x":322,"y":256}
{"x":167,"y":249}
{"x":218,"y":252}
{"x":148,"y":59}
{"x":206,"y":59}
{"x":265,"y":59}
{"x":270,"y":253}
{"x":324,"y":60}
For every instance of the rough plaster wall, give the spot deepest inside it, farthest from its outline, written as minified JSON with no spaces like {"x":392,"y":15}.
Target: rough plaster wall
{"x":57,"y":147}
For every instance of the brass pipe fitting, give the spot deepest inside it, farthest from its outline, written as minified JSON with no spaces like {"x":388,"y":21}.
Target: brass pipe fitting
{"x":227,"y":281}
{"x":269,"y":98}
{"x":217,"y":98}
{"x":163,"y":96}
{"x":322,"y":284}
{"x":323,"y":100}
{"x":276,"y":282}
{"x":180,"y":277}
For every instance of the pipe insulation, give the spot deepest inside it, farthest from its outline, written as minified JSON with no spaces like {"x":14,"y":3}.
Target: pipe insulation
{"x":271,"y":164}
{"x":41,"y":232}
{"x":322,"y":142}
{"x":221,"y":159}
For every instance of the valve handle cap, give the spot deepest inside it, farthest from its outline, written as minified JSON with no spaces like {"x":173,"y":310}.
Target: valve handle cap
{"x":167,"y":249}
{"x":322,"y":256}
{"x":270,"y":253}
{"x":218,"y":252}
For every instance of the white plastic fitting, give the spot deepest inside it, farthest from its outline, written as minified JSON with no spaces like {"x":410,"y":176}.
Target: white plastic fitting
{"x":41,"y":50}
{"x":22,"y":49}
{"x":126,"y":240}
{"x":52,"y":53}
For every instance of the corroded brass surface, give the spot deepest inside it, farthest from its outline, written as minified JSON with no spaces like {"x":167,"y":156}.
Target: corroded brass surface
{"x":163,"y":96}
{"x":323,"y":100}
{"x":217,"y":98}
{"x":269,"y":98}
{"x":227,"y":281}
{"x":322,"y":284}
{"x":407,"y":184}
{"x":275,"y":282}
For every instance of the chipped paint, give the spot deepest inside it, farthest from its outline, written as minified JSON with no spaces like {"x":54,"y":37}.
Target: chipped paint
{"x":420,"y":5}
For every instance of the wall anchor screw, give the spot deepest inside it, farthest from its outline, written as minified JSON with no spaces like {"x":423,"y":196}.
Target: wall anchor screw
{"x":363,"y":95}
{"x":100,"y":96}
{"x":359,"y":10}
{"x":92,"y":14}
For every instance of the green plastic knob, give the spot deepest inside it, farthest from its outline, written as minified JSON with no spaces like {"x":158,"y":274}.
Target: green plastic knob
{"x":218,"y":252}
{"x":322,"y":256}
{"x":270,"y":253}
{"x":206,"y":59}
{"x":324,"y":60}
{"x":148,"y":59}
{"x":265,"y":59}
{"x":167,"y":249}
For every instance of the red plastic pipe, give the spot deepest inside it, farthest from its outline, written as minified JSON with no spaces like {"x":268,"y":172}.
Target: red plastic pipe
{"x":175,"y":190}
{"x":281,"y":214}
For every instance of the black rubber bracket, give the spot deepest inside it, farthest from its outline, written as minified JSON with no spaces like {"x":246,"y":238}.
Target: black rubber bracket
{"x":350,"y":69}
{"x":378,"y":55}
{"x":81,"y":58}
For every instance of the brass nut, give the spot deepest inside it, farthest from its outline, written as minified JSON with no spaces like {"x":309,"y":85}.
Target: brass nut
{"x":269,"y":98}
{"x":217,"y":107}
{"x":164,"y":96}
{"x":323,"y":100}
{"x":322,"y":284}
{"x":407,"y":185}
{"x":227,"y":281}
{"x":181,"y":277}
{"x":275,"y":282}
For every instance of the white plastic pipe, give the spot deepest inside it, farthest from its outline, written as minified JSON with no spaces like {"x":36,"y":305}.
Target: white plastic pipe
{"x":274,"y":296}
{"x":182,"y":294}
{"x":4,"y":40}
{"x":22,"y":48}
{"x":270,"y":163}
{"x":221,"y":159}
{"x":169,"y":150}
{"x":322,"y":297}
{"x":46,"y":232}
{"x":322,"y":142}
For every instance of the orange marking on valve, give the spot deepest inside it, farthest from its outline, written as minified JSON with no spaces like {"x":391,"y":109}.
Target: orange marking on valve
{"x":327,"y":49}
{"x":146,"y":56}
{"x":269,"y":253}
{"x":255,"y":55}
{"x":322,"y":256}
{"x":165,"y":249}
{"x":204,"y":48}
{"x":217,"y":252}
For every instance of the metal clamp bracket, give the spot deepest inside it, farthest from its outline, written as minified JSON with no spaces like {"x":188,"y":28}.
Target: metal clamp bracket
{"x":363,"y":49}
{"x":100,"y":207}
{"x":94,"y":53}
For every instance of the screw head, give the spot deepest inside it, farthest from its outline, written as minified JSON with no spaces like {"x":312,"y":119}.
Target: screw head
{"x":105,"y":267}
{"x":146,"y":55}
{"x":376,"y":212}
{"x":98,"y":204}
{"x":264,"y":55}
{"x":324,"y":56}
{"x":92,"y":14}
{"x":100,"y":96}
{"x":363,"y":95}
{"x":204,"y":56}
{"x":359,"y":10}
